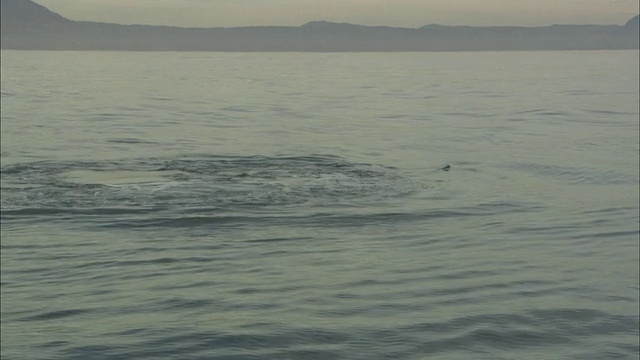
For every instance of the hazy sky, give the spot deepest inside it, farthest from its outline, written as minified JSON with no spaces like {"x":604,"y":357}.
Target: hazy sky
{"x":406,"y":13}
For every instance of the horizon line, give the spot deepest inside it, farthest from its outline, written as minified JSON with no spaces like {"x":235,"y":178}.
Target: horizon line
{"x":330,"y":22}
{"x":339,"y":23}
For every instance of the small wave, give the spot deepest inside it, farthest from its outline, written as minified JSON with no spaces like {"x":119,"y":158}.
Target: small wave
{"x":483,"y":336}
{"x":55,"y":315}
{"x":542,"y":112}
{"x":609,"y":112}
{"x":130,"y":141}
{"x":575,"y":175}
{"x":336,"y":218}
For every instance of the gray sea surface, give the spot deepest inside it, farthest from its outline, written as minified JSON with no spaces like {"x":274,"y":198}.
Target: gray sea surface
{"x":299,"y":206}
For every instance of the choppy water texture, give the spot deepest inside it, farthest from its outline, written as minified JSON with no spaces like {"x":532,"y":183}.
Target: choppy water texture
{"x":298,"y":206}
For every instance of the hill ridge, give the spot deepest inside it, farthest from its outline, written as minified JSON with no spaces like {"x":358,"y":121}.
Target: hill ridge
{"x":29,"y":26}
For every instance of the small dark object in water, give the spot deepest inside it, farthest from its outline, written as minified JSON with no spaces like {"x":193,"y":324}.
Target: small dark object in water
{"x":446,"y":167}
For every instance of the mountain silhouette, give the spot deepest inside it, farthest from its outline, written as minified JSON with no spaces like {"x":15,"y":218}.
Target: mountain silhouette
{"x":634,"y":23}
{"x":27,"y":25}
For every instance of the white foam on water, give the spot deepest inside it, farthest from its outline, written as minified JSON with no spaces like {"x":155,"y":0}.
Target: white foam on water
{"x":118,"y":177}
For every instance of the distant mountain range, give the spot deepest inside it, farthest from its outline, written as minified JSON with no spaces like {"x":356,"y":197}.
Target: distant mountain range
{"x":27,"y":25}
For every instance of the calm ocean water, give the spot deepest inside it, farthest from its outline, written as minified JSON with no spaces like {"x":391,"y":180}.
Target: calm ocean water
{"x":295,"y":206}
